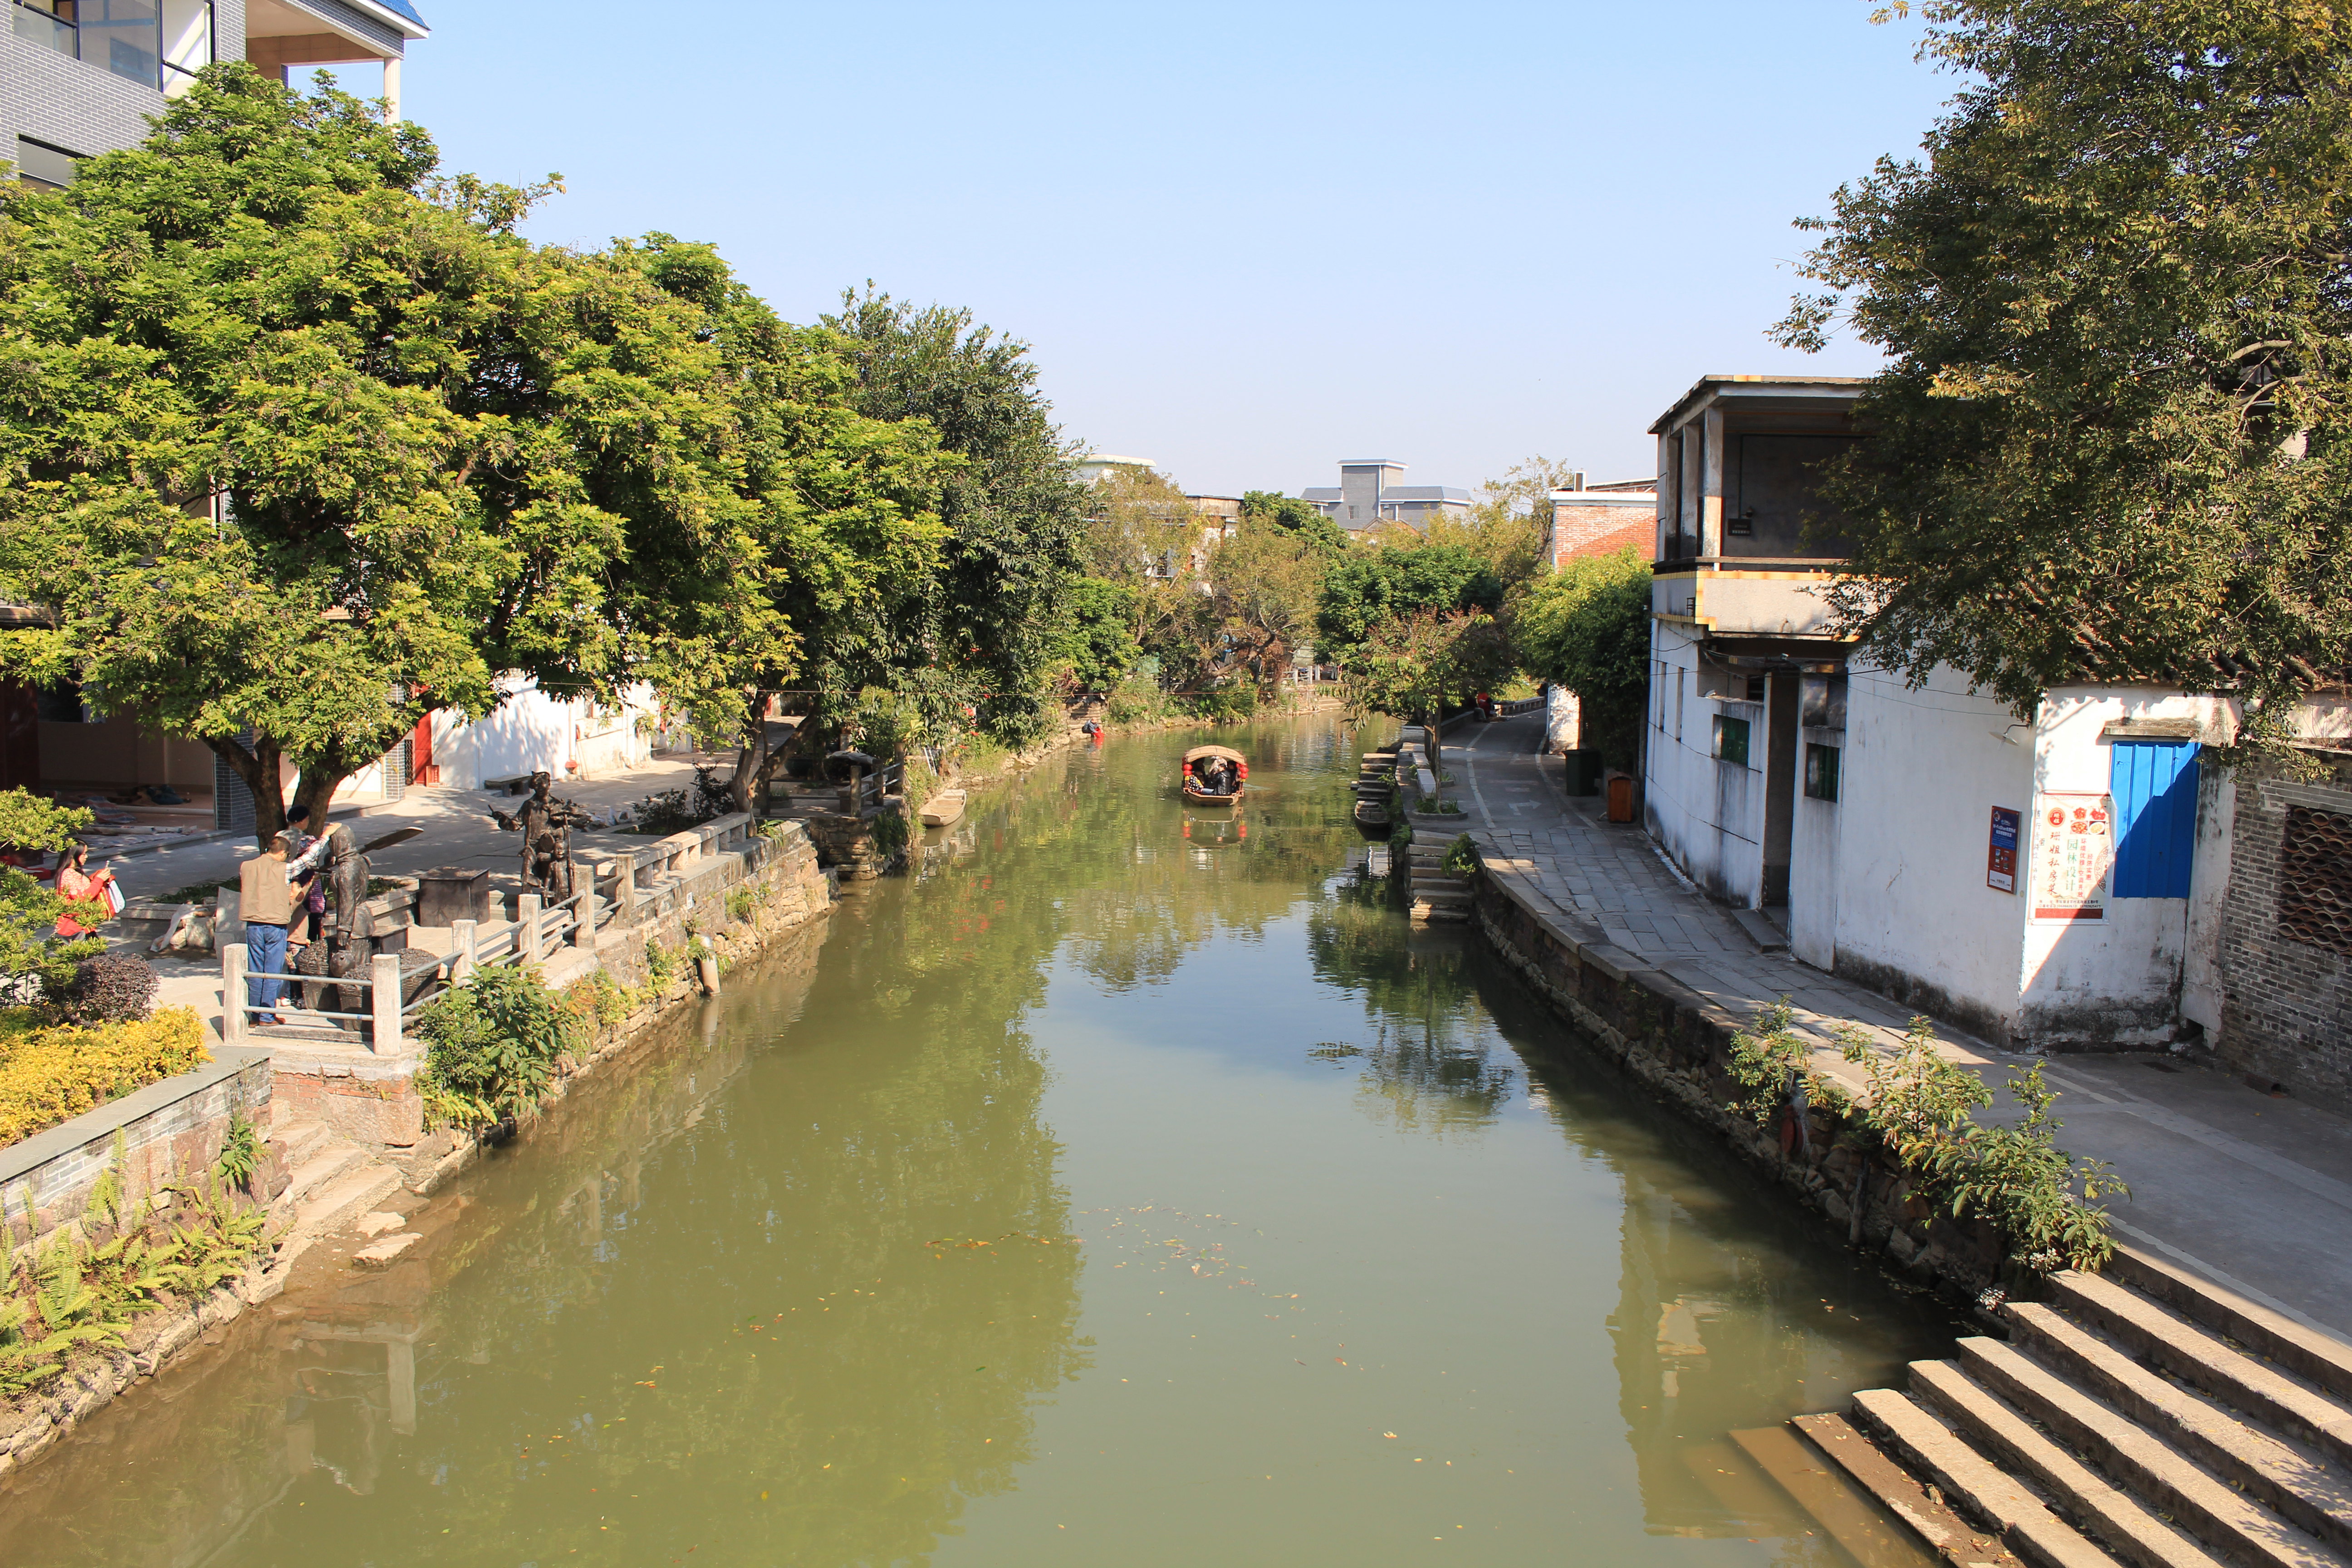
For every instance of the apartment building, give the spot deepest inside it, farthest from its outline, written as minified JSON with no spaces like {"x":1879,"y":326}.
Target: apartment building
{"x":78,"y":77}
{"x":1369,"y":493}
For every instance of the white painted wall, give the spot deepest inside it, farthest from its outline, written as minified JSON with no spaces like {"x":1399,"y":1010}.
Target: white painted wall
{"x":1923,"y":771}
{"x":529,"y":730}
{"x":1708,"y":815}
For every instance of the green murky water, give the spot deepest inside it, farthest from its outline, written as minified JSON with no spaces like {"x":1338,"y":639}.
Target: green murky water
{"x":1130,"y":1186}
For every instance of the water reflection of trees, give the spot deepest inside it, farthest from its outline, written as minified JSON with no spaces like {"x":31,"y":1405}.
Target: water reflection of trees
{"x":1427,"y":1065}
{"x":490,"y":1386}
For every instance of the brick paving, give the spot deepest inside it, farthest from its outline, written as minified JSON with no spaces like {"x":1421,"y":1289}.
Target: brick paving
{"x":2253,"y":1191}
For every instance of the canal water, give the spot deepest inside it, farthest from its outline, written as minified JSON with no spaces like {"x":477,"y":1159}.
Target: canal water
{"x":1131,"y":1184}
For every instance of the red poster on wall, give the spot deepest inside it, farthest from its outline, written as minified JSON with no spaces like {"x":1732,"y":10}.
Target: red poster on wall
{"x":2073,"y":848}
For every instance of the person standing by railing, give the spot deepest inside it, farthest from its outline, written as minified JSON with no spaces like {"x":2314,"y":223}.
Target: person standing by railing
{"x":266,"y":901}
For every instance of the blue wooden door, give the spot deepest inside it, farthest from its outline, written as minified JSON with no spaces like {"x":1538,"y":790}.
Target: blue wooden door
{"x":2155,"y":791}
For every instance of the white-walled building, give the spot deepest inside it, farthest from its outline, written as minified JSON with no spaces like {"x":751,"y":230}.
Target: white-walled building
{"x":570,"y":738}
{"x":2040,"y":880}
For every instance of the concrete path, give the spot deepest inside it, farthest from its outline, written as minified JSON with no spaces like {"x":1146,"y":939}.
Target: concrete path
{"x":2254,"y":1192}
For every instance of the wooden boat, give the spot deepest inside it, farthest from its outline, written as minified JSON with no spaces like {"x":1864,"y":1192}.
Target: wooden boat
{"x":1202,"y":761}
{"x":943,"y":808}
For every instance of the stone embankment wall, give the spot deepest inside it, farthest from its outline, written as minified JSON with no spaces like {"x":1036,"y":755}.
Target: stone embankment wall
{"x":176,"y":1128}
{"x":163,"y":1132}
{"x":1679,"y":1045}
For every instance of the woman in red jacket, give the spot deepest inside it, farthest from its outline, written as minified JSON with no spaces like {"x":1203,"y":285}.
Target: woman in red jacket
{"x":78,"y":886}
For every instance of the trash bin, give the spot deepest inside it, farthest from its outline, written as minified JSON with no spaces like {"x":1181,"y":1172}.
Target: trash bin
{"x":1583,"y":772}
{"x":1621,"y":798}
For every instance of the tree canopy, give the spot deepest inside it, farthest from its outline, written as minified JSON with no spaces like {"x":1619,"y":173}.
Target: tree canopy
{"x":302,"y":441}
{"x":1297,"y":516}
{"x":1587,"y":628}
{"x":1014,"y":514}
{"x":2111,"y":441}
{"x":1369,"y":586}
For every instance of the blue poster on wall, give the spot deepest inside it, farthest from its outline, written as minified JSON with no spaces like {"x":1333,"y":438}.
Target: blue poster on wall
{"x":2001,"y":861}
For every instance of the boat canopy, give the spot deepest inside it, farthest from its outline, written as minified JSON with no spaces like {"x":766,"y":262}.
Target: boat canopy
{"x":1201,"y":753}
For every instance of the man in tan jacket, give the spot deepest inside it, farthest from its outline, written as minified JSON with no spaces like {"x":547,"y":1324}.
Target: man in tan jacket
{"x":267,"y":905}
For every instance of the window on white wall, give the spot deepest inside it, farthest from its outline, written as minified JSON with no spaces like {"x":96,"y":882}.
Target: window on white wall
{"x":1681,"y":681}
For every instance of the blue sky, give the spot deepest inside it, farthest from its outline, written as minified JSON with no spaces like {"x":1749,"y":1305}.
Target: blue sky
{"x":1245,"y":241}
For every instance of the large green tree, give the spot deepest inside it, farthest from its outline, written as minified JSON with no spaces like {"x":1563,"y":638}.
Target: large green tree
{"x":2113,"y":439}
{"x":1587,"y":628}
{"x":1367,"y":587}
{"x":302,"y":441}
{"x":1014,"y":512}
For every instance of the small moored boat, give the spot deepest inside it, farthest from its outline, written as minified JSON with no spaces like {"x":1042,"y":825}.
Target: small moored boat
{"x":943,"y":808}
{"x":1214,"y":776}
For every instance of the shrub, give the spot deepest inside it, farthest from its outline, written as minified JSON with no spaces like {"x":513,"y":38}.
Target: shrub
{"x":1921,"y":1111}
{"x":1228,"y":702}
{"x":661,"y":966}
{"x":491,"y":1046}
{"x":1462,"y":857}
{"x":112,"y":988}
{"x":1136,"y":699}
{"x":740,"y":902}
{"x":47,"y":1075}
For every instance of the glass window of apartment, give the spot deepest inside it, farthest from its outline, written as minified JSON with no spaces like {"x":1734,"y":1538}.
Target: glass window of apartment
{"x":50,"y":22}
{"x":42,"y":166}
{"x":184,"y":43}
{"x":1731,"y":741}
{"x":1821,"y":771}
{"x":160,"y":43}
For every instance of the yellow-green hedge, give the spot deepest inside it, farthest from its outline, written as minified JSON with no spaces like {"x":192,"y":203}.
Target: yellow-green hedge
{"x":47,"y":1076}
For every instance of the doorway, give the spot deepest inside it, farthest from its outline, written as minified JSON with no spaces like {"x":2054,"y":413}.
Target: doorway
{"x":1779,"y":786}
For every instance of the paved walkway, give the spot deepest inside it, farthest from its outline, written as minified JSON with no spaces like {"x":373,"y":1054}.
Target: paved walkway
{"x":2254,"y":1191}
{"x":459,"y":831}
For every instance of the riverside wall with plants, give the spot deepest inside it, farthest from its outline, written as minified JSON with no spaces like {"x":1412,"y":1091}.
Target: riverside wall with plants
{"x":501,"y":1049}
{"x":1886,"y":1153}
{"x":132,"y":1233}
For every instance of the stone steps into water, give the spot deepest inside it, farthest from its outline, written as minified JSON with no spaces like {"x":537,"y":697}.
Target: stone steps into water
{"x":2142,"y":1416}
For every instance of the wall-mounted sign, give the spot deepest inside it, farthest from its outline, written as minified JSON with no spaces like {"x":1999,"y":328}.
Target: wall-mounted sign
{"x":2074,"y":847}
{"x":2001,"y":860}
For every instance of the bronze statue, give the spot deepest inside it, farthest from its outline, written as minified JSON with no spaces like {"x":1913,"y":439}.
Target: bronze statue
{"x":343,"y":948}
{"x":546,"y":825}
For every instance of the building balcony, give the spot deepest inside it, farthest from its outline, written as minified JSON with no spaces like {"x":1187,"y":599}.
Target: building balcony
{"x":292,"y":36}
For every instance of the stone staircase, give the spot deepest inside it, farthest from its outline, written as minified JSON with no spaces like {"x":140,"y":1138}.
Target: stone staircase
{"x":331,"y":1182}
{"x":1438,"y":896}
{"x":2143,"y":1416}
{"x":1375,"y":788}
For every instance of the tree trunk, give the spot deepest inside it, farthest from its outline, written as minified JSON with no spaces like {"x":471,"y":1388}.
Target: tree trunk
{"x":315,"y":787}
{"x":258,"y":768}
{"x":751,"y":756}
